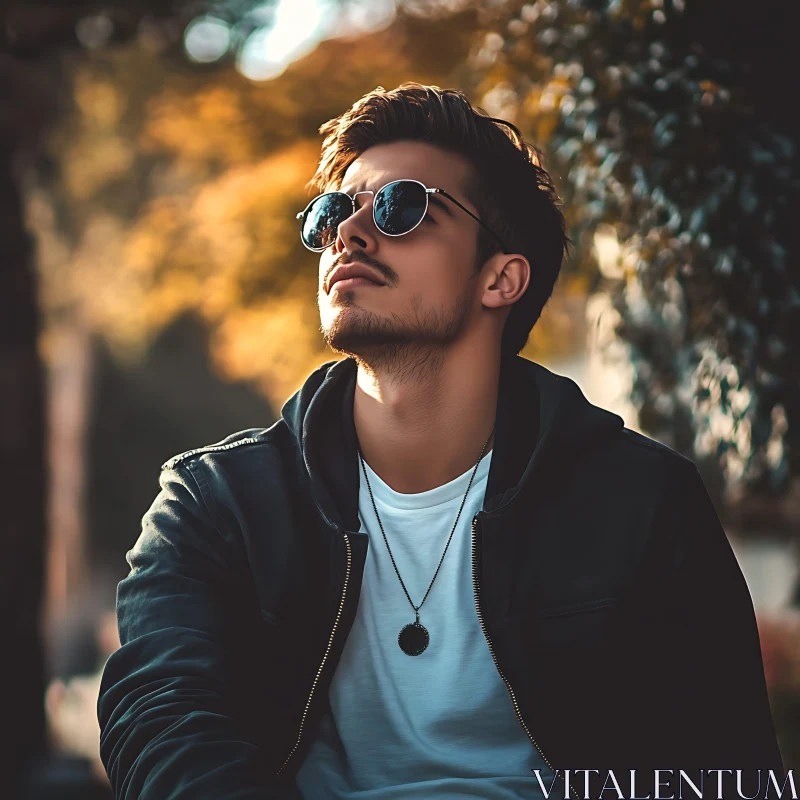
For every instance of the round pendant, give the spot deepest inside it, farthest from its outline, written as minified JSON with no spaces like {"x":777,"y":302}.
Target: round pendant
{"x":413,"y":639}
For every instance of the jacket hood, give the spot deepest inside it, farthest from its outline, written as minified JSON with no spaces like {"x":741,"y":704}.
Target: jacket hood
{"x":544,"y":422}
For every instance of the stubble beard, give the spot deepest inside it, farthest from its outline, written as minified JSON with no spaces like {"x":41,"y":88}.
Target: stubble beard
{"x":405,"y":346}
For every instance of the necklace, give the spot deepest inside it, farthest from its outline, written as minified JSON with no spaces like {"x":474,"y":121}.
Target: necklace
{"x":414,"y":637}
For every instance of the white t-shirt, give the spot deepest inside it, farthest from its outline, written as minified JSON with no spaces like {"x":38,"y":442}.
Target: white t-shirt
{"x":440,"y":724}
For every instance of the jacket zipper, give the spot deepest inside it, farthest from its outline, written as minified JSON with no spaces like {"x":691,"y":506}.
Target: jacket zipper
{"x":476,"y":593}
{"x":324,"y":658}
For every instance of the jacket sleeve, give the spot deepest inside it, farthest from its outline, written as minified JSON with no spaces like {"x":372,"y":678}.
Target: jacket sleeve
{"x":716,"y":672}
{"x":167,"y":726}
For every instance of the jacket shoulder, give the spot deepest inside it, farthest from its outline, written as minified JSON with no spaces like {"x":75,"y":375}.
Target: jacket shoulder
{"x":637,"y":442}
{"x":241,"y":439}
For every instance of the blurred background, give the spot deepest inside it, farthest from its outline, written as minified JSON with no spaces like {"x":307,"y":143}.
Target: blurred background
{"x":154,"y":295}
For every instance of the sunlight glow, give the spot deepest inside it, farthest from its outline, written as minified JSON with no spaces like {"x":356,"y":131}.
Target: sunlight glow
{"x":607,"y":248}
{"x":298,"y":27}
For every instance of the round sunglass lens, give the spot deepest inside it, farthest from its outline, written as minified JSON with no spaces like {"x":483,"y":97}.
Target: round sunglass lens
{"x":400,"y":206}
{"x":323,"y":217}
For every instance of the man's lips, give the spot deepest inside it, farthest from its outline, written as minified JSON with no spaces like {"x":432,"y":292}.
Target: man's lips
{"x":354,"y":274}
{"x":348,"y":283}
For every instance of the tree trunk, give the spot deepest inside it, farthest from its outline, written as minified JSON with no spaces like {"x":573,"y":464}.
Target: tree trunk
{"x":69,"y":380}
{"x":24,"y":492}
{"x":26,"y":105}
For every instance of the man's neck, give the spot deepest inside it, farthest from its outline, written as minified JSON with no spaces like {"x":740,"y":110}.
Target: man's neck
{"x":420,"y":428}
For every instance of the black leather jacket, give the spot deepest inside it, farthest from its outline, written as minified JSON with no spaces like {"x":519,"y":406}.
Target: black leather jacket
{"x":609,"y":596}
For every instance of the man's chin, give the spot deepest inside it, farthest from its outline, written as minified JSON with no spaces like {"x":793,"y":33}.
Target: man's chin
{"x":364,"y":334}
{"x":359,"y":342}
{"x":354,"y":330}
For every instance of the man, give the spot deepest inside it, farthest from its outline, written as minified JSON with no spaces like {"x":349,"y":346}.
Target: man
{"x":442,"y":572}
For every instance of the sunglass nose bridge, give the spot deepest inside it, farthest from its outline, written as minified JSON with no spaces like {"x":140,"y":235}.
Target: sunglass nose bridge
{"x":364,"y":191}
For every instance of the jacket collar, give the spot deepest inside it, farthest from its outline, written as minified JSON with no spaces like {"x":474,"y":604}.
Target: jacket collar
{"x":543,"y":422}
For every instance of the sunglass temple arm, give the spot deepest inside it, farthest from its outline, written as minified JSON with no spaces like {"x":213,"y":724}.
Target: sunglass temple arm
{"x":477,"y":219}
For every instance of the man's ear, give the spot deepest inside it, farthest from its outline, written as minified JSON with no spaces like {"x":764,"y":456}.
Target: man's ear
{"x":506,"y":279}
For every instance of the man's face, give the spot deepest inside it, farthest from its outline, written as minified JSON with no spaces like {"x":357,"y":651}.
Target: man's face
{"x":430,"y":294}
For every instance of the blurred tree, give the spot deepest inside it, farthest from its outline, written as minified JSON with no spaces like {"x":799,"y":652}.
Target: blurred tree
{"x":35,"y":39}
{"x":22,"y":428}
{"x":677,"y":137}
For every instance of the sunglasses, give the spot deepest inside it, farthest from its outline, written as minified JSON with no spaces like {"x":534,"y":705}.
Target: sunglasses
{"x":397,"y":208}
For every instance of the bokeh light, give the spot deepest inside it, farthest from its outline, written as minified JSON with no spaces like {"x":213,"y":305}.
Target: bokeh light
{"x":207,"y":39}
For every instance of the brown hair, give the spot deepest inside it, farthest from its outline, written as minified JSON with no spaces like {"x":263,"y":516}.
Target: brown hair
{"x":512,"y":191}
